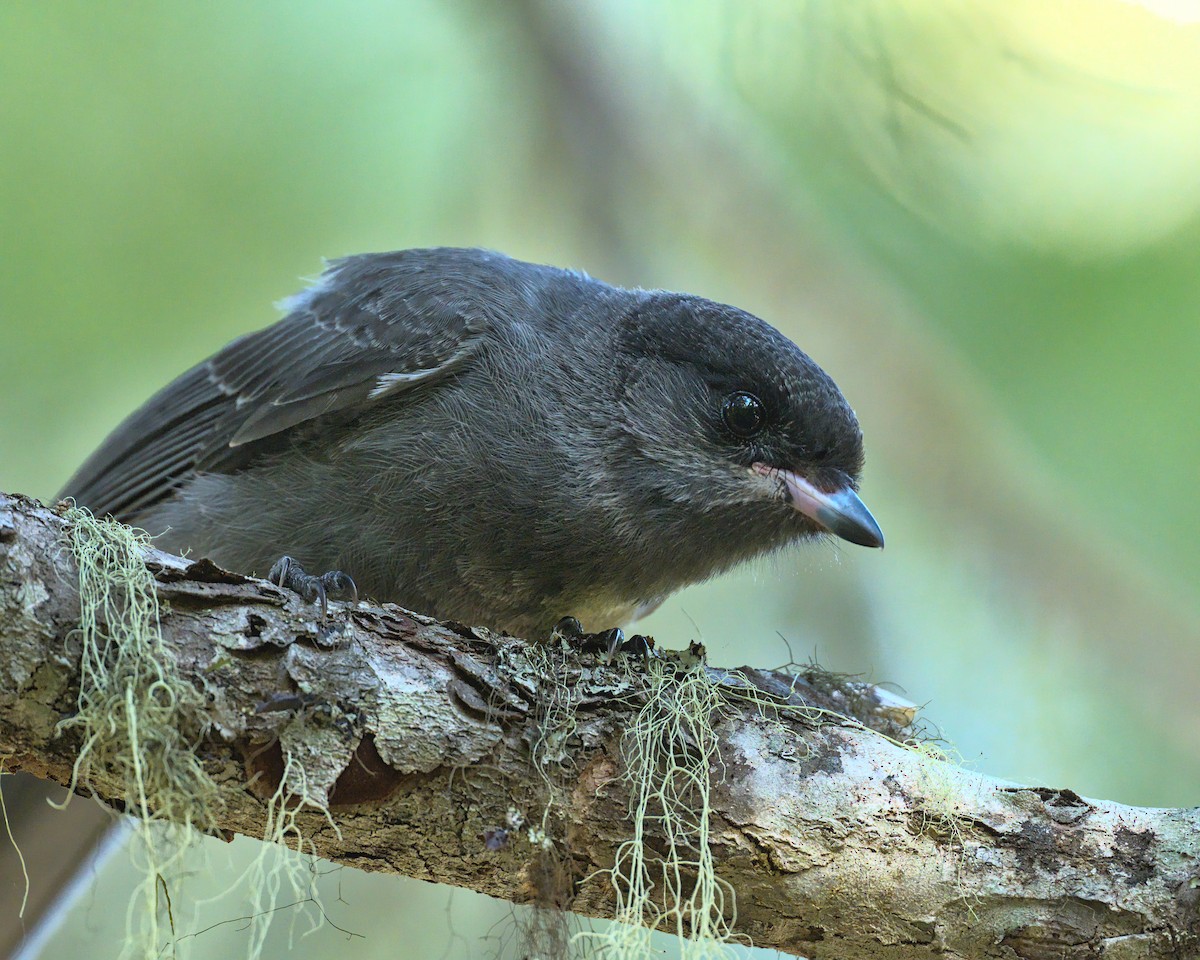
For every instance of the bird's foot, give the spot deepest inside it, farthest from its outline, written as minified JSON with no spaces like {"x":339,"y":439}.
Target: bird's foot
{"x":288,"y":573}
{"x":609,"y":642}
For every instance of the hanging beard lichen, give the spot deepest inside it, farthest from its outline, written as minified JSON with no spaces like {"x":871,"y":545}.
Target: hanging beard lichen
{"x":542,"y":926}
{"x":140,"y":724}
{"x":664,"y":877}
{"x":138,"y":721}
{"x":286,"y":859}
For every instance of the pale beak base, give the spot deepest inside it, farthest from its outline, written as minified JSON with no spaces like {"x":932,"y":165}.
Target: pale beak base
{"x":841,"y":512}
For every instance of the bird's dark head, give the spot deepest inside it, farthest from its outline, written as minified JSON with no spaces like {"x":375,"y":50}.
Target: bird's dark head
{"x":743,"y":433}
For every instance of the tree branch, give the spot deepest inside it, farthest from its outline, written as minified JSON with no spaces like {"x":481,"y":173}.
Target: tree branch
{"x":839,"y":842}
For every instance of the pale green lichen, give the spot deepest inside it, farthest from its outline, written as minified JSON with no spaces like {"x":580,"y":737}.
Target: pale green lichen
{"x":285,"y":859}
{"x":140,"y":724}
{"x":138,"y":721}
{"x":940,"y":809}
{"x":664,"y":876}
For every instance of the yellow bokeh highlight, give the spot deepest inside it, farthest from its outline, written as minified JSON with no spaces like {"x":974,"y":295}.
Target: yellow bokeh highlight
{"x":1070,"y":126}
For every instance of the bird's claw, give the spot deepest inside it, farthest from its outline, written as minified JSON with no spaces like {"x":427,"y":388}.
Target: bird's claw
{"x":287,"y":573}
{"x":639,"y":645}
{"x":568,"y":628}
{"x":608,"y":642}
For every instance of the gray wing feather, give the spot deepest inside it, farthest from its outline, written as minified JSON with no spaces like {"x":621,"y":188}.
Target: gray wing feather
{"x":371,"y":327}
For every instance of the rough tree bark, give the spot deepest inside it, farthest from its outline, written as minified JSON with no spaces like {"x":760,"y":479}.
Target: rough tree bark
{"x":838,"y":842}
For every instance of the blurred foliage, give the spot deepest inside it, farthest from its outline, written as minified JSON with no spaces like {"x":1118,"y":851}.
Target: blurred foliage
{"x":981,"y":217}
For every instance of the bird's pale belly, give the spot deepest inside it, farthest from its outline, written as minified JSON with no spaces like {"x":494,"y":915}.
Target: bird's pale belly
{"x":603,"y":613}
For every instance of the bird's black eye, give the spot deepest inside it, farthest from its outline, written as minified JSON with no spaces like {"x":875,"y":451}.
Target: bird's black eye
{"x":743,"y":414}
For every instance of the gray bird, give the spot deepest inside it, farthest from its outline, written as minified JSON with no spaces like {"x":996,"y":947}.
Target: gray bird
{"x":492,"y":441}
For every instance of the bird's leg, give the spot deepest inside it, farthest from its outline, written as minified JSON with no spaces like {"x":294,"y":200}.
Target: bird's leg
{"x":287,"y":573}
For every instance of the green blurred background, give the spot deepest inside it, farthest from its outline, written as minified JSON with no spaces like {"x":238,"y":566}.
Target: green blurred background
{"x":981,"y":218}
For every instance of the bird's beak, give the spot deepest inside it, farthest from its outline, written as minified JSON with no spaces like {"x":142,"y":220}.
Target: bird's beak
{"x":840,"y":512}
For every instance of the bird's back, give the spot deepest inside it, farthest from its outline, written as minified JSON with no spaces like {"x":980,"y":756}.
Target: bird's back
{"x":373,"y":326}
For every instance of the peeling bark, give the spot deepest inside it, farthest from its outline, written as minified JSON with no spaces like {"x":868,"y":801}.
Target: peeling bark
{"x":839,"y":842}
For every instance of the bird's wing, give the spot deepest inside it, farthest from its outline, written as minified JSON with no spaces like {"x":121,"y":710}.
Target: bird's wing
{"x":368,"y":329}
